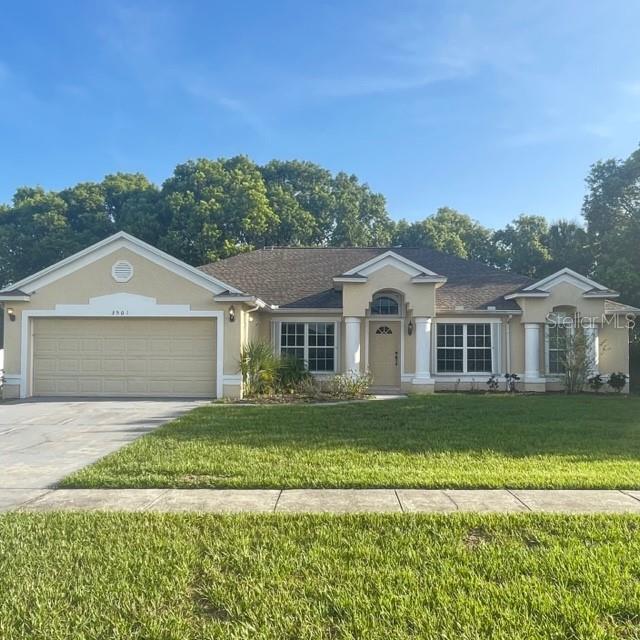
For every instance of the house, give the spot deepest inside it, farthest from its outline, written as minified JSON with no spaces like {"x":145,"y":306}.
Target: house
{"x":122,"y":318}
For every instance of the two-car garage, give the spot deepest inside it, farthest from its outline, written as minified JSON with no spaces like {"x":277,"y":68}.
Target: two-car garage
{"x":124,"y":357}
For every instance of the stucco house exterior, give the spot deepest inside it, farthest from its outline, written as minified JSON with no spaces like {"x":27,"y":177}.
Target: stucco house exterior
{"x":122,"y":318}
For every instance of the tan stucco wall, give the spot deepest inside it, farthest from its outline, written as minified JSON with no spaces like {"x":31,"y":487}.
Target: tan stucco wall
{"x":95,"y":279}
{"x":614,"y":349}
{"x":357,"y":296}
{"x":563,"y":294}
{"x":516,"y":329}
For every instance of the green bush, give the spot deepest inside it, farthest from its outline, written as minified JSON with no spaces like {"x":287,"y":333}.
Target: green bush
{"x":617,"y":381}
{"x":259,"y":367}
{"x":291,"y":375}
{"x":264,"y":372}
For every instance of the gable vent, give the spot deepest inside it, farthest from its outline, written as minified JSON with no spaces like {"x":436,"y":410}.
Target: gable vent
{"x":122,"y":271}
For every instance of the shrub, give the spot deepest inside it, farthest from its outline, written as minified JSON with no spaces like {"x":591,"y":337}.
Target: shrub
{"x":493,"y":383}
{"x":349,"y":386}
{"x":511,"y":379}
{"x":264,"y":372}
{"x":291,"y":374}
{"x":596,"y":383}
{"x":259,"y":367}
{"x":617,"y":381}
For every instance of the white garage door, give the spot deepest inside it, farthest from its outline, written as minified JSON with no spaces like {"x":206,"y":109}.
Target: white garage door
{"x":124,"y":357}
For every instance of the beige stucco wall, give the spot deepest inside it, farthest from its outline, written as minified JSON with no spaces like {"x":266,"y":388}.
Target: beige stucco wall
{"x":357,"y":296}
{"x":614,"y":348}
{"x":563,"y":294}
{"x":95,"y":279}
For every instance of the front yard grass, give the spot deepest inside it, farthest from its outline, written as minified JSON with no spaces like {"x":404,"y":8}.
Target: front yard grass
{"x":477,"y":441}
{"x":150,"y":576}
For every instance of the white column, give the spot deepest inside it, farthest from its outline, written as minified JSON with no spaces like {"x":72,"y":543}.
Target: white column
{"x":531,"y":351}
{"x":352,"y":345}
{"x":423,"y":351}
{"x":593,"y":344}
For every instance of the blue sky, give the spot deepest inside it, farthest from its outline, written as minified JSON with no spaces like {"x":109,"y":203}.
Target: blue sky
{"x":494,"y":108}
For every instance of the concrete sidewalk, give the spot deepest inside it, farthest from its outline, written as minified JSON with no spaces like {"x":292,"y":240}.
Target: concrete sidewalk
{"x":324,"y":500}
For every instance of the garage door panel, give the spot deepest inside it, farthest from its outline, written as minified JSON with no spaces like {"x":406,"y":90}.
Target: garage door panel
{"x":111,"y":345}
{"x":136,"y":357}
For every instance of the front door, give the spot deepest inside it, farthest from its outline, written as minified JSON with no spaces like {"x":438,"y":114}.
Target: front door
{"x":384,"y":353}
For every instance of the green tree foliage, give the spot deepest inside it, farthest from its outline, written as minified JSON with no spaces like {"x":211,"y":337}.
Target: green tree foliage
{"x":522,"y":245}
{"x":216,"y":208}
{"x":208,"y":209}
{"x":612,"y":212}
{"x":449,"y":231}
{"x":569,"y":246}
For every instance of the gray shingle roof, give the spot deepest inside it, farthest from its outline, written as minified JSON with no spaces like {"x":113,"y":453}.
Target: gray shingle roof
{"x":303,"y":277}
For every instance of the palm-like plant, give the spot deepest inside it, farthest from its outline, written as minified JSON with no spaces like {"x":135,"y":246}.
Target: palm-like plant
{"x":259,"y":368}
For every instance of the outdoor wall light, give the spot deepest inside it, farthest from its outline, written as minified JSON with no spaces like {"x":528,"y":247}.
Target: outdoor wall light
{"x":232,"y":313}
{"x":12,"y":314}
{"x":410,"y":327}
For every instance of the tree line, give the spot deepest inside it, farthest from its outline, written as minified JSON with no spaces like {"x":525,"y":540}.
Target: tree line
{"x":211,"y":209}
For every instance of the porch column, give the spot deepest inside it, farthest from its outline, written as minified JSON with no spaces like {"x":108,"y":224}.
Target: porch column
{"x":352,"y":345}
{"x":593,"y":346}
{"x":532,"y":351}
{"x":423,"y":351}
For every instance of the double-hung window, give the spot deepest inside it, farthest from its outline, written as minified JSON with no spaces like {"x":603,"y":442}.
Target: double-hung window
{"x":312,"y":342}
{"x":464,"y":348}
{"x":557,"y":336}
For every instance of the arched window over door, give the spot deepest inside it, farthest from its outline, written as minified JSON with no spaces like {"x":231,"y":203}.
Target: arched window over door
{"x":384,"y":305}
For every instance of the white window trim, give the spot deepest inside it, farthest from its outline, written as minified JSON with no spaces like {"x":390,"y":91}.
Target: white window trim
{"x":306,"y":322}
{"x":465,"y":348}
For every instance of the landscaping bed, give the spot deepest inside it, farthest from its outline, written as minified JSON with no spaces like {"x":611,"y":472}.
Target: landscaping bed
{"x":454,"y":441}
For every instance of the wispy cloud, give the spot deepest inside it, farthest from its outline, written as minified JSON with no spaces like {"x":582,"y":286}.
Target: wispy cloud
{"x":206,"y":89}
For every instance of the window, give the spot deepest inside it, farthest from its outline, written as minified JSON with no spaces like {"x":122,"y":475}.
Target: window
{"x":312,"y":342}
{"x":292,"y":339}
{"x":556,"y":347}
{"x":384,"y":305}
{"x":464,"y":348}
{"x":383,"y":331}
{"x":478,"y":347}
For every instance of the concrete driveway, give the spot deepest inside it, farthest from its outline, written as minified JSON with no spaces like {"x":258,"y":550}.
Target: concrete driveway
{"x":43,"y":441}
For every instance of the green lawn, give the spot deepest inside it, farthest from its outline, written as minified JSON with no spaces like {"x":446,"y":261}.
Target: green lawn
{"x":434,"y":441}
{"x":151,"y":576}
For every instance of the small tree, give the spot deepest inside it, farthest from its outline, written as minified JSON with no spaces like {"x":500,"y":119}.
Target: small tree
{"x":577,"y":360}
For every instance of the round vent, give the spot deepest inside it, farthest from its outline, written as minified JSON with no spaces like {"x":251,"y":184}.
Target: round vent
{"x":122,"y":271}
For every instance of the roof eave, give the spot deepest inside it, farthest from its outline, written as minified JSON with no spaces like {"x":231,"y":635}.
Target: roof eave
{"x":14,"y":297}
{"x":525,"y":294}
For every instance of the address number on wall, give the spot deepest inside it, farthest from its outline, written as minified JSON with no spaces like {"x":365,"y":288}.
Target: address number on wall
{"x":119,"y":312}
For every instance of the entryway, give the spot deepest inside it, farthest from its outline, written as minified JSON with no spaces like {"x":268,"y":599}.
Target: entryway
{"x":384,"y":354}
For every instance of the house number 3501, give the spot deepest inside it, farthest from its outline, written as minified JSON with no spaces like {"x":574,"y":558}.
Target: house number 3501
{"x":119,"y":312}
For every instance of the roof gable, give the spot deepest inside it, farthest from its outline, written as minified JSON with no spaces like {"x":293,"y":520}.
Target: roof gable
{"x":590,"y":288}
{"x":389,"y":258}
{"x":109,"y":245}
